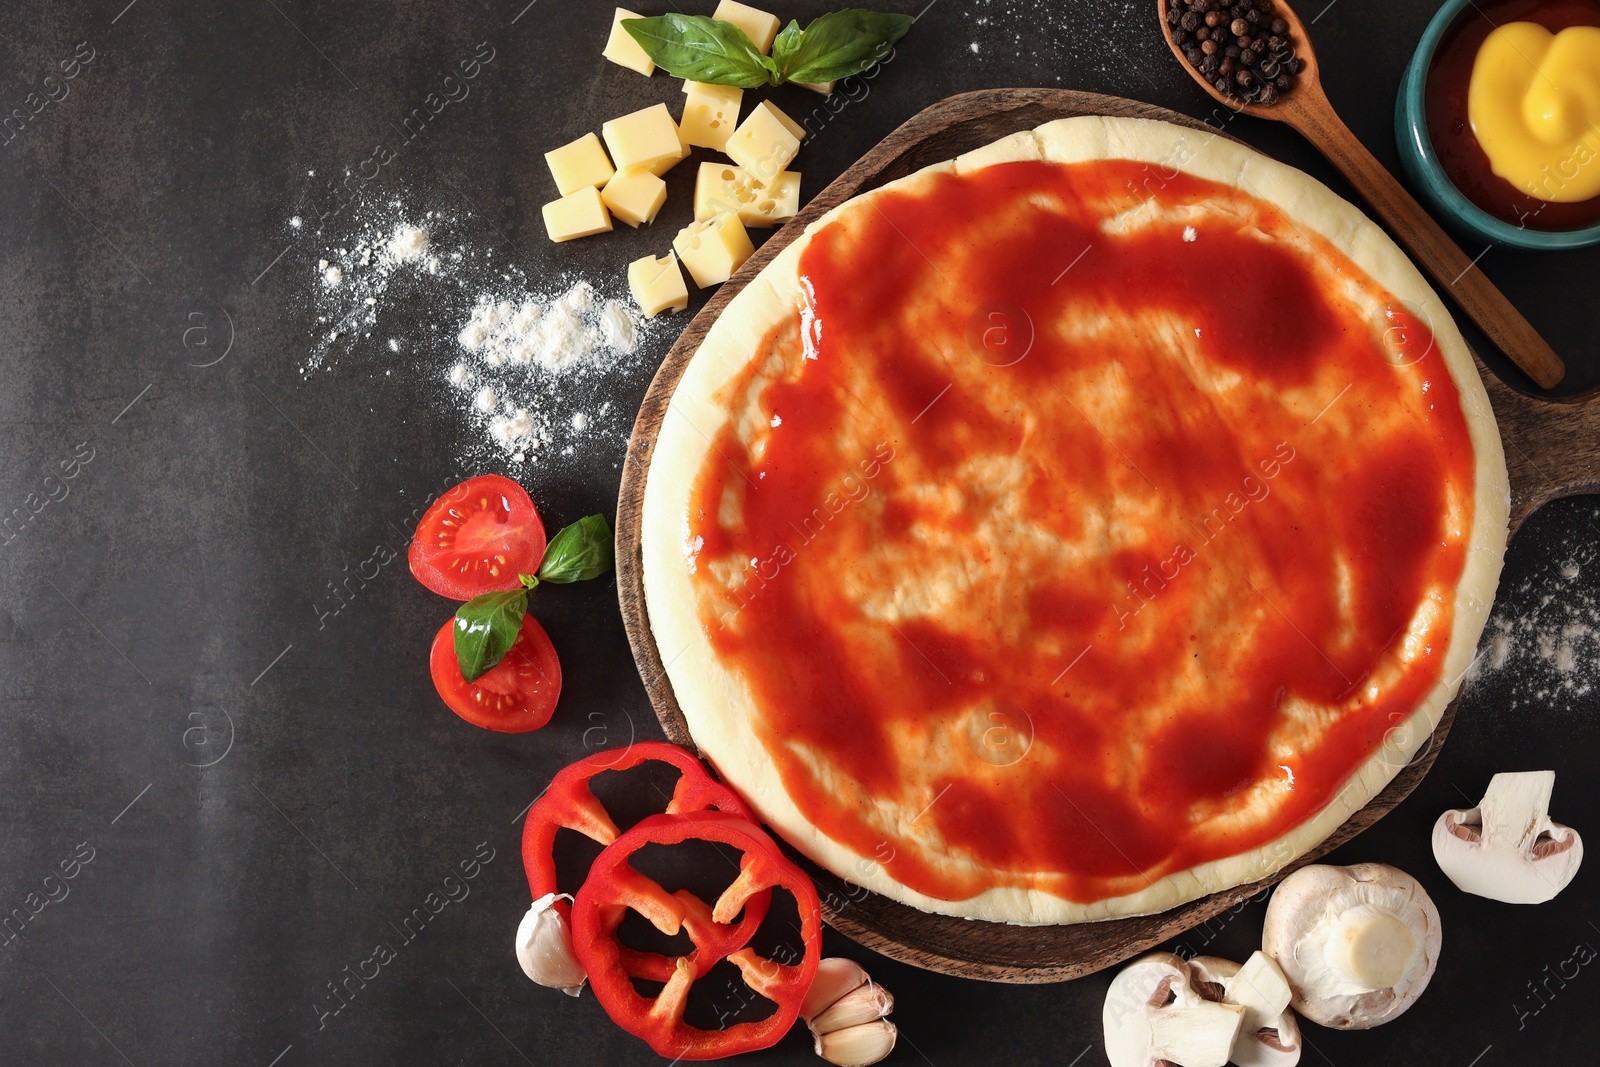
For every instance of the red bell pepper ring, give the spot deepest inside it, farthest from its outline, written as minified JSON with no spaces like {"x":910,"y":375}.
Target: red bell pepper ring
{"x":613,"y":887}
{"x":570,"y":803}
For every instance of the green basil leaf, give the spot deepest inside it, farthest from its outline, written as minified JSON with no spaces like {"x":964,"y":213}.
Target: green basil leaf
{"x":486,"y":627}
{"x":785,"y":44}
{"x":579,"y":552}
{"x":701,"y":49}
{"x":843,"y":43}
{"x":530,"y":582}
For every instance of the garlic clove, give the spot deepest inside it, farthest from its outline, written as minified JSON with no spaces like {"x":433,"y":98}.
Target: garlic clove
{"x":857,"y":1046}
{"x":544,"y":948}
{"x":836,"y":976}
{"x":862,"y":1004}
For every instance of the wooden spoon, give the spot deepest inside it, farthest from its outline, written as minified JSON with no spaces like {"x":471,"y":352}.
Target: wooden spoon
{"x":1305,"y":107}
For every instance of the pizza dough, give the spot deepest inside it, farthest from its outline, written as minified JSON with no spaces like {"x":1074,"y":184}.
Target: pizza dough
{"x":999,"y":857}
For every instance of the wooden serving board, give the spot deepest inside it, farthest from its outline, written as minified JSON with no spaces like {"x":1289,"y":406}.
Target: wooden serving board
{"x":1552,"y":450}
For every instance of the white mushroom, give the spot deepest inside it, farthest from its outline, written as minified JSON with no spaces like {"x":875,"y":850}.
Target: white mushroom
{"x":1153,"y":1015}
{"x":1270,"y":1036}
{"x":1507,"y":848}
{"x":544,"y":948}
{"x":1357,"y":944}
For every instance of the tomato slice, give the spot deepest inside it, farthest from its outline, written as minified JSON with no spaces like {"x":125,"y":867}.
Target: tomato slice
{"x":477,"y":538}
{"x":518,"y":694}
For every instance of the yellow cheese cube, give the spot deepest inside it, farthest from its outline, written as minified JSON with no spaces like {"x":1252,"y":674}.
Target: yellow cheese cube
{"x":664,"y":165}
{"x":720,"y":187}
{"x":765,"y":143}
{"x":623,"y":50}
{"x":710,"y":114}
{"x":657,"y":285}
{"x":579,"y":165}
{"x":714,"y":248}
{"x":575,"y":215}
{"x":825,"y":88}
{"x":758,"y":25}
{"x":634,"y":196}
{"x":646,"y":138}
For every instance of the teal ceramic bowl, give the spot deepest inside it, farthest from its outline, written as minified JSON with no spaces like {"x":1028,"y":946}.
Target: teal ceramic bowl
{"x":1428,"y":177}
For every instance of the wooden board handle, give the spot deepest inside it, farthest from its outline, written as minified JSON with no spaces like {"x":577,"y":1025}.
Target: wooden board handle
{"x":1439,"y":255}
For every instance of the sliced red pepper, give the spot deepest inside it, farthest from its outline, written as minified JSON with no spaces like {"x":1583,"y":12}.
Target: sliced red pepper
{"x":613,"y":887}
{"x":570,"y":803}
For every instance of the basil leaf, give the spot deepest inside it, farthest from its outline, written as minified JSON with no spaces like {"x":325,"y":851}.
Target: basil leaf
{"x":701,"y":49}
{"x":579,"y":552}
{"x":530,"y":582}
{"x":785,"y":44}
{"x":486,"y":627}
{"x":843,"y":43}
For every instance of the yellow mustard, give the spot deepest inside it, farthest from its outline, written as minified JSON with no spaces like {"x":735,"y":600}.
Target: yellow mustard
{"x":1534,"y":105}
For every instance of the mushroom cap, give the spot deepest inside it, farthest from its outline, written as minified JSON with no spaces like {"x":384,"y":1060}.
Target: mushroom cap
{"x":1357,"y":944}
{"x":1507,"y":848}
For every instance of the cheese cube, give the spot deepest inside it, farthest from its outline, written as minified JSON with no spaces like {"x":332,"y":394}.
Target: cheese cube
{"x":623,"y":50}
{"x":825,"y":88}
{"x":579,"y":165}
{"x":634,"y":196}
{"x":710,"y":114}
{"x":657,"y":285}
{"x":664,"y":165}
{"x":765,"y":143}
{"x":714,"y":248}
{"x":576,"y":215}
{"x":720,"y":187}
{"x":646,"y":138}
{"x":758,"y":25}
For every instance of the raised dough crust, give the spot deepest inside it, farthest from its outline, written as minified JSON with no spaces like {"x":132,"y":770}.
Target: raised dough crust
{"x":716,"y":702}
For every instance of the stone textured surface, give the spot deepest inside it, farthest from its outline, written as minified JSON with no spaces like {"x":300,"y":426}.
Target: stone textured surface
{"x":163,"y":613}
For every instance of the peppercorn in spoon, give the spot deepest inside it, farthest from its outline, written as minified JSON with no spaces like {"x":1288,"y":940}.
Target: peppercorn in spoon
{"x":1254,"y":56}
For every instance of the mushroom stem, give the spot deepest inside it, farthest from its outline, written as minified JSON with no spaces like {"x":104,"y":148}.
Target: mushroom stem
{"x":1515,"y":809}
{"x":1369,"y":948}
{"x":1198,"y":1036}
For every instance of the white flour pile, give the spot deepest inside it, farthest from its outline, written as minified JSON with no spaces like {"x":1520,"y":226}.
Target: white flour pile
{"x":1553,"y":650}
{"x":525,"y":366}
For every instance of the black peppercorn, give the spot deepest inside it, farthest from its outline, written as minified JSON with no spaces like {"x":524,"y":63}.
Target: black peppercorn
{"x":1267,"y":67}
{"x":1208,"y":66}
{"x":1194,"y":56}
{"x":1202,"y":34}
{"x":1292,"y":65}
{"x":1269,"y":96}
{"x":1246,"y":79}
{"x":1190,"y":21}
{"x":1208,"y":48}
{"x":1247,"y":57}
{"x":1227,"y":67}
{"x":1232,"y":51}
{"x":1245,"y":42}
{"x":1224,"y":87}
{"x":1279,"y":27}
{"x":1239,"y":27}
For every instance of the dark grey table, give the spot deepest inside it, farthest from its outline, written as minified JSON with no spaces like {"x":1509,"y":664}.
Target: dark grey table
{"x":251,"y":795}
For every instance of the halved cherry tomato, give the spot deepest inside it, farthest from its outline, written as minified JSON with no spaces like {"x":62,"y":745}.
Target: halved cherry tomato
{"x":516,"y":695}
{"x":477,"y":538}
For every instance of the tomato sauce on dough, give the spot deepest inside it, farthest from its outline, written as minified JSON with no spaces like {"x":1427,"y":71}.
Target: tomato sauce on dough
{"x":1090,"y":522}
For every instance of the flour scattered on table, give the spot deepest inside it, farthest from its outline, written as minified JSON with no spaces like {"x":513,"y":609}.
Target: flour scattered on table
{"x":1553,"y":650}
{"x":525,"y":364}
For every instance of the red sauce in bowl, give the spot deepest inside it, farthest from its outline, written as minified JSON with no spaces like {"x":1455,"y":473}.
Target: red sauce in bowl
{"x":1445,"y":106}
